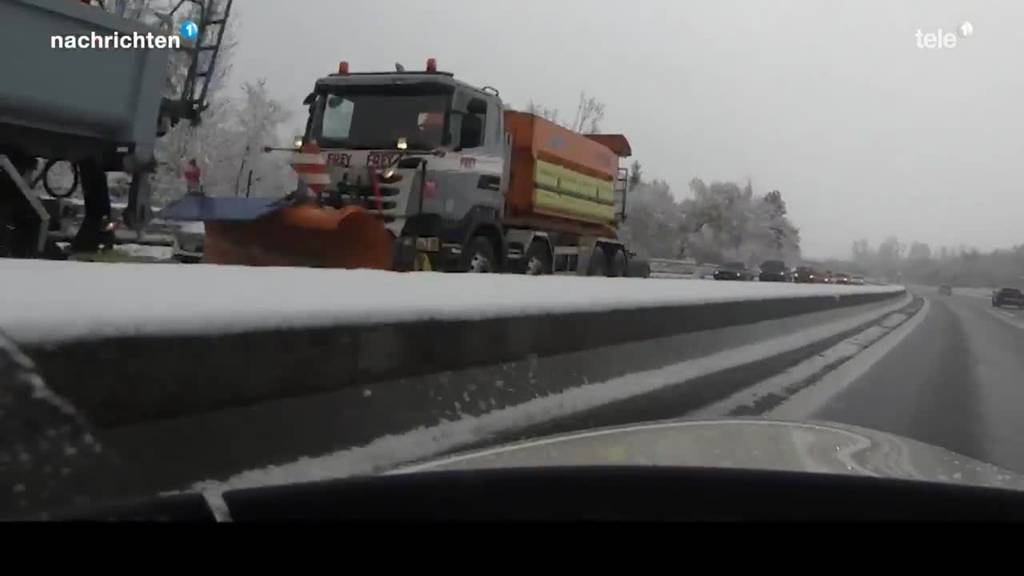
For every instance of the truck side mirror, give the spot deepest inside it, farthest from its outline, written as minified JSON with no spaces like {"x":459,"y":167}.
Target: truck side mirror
{"x":309,"y":99}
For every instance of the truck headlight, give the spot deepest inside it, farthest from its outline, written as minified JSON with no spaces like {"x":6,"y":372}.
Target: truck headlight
{"x":390,"y":176}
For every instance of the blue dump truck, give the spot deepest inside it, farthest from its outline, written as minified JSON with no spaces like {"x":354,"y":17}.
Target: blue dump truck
{"x":89,"y":87}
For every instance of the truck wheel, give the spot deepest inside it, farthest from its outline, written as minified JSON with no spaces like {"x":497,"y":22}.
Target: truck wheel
{"x":598,"y":265}
{"x":538,"y":259}
{"x":616,"y":262}
{"x":478,"y":258}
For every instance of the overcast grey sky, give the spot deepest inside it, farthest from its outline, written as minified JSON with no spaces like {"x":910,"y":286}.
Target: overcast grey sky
{"x":831,"y":102}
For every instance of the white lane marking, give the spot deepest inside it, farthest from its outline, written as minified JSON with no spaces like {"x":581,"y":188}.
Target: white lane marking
{"x":805,"y":403}
{"x":392,"y":450}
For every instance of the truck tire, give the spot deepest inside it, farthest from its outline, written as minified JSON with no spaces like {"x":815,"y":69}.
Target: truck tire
{"x":478,"y":257}
{"x":405,"y":255}
{"x":598,"y":265}
{"x":616,"y":262}
{"x":538,"y":259}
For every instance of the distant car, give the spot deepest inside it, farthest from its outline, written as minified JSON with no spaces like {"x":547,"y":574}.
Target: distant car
{"x":946,"y":290}
{"x":1008,"y":297}
{"x":857,"y":280}
{"x":842,"y":278}
{"x":734,"y":271}
{"x":774,"y":271}
{"x":188,"y":242}
{"x":807,"y":275}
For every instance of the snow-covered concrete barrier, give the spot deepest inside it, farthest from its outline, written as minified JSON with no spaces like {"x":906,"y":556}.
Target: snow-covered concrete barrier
{"x":129,"y":343}
{"x":202,"y":372}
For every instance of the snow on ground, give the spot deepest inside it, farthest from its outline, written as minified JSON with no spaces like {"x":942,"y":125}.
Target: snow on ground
{"x":193,"y":227}
{"x":48,"y":301}
{"x":143,"y":251}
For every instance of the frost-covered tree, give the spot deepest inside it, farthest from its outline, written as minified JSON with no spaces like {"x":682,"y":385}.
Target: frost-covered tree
{"x":721,"y":221}
{"x":653,"y":224}
{"x":259,"y":119}
{"x":229,"y":145}
{"x":957,"y":266}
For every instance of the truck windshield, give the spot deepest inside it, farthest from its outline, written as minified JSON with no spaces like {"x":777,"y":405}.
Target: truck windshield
{"x":366,"y":119}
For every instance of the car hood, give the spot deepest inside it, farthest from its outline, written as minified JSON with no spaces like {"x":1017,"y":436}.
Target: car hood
{"x":748,"y":444}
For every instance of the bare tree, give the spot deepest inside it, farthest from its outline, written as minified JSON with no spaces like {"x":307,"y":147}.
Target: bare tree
{"x":636,"y":174}
{"x":589,"y":114}
{"x":863,"y":254}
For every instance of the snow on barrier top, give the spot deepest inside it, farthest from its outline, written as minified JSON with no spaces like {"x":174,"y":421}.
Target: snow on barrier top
{"x":44,"y":301}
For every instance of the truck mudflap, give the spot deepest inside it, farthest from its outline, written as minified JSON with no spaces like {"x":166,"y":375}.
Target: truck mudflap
{"x":283,"y":233}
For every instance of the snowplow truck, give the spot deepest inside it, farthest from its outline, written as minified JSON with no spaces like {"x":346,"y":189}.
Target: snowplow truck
{"x":420,"y":171}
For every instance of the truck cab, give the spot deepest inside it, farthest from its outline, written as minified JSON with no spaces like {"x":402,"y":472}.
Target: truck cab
{"x":422,"y":150}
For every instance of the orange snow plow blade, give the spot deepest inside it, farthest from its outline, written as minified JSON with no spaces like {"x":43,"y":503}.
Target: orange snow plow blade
{"x":303,"y":235}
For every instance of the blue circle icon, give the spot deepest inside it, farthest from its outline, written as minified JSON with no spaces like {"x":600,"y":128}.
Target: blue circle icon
{"x":188,"y":30}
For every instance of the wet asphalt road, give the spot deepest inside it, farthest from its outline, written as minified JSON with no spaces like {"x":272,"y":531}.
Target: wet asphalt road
{"x":956,"y":381}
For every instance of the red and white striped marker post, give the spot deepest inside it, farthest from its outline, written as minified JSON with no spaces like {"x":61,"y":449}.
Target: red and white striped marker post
{"x":311,"y":167}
